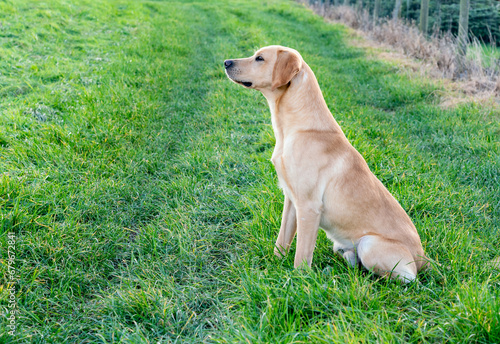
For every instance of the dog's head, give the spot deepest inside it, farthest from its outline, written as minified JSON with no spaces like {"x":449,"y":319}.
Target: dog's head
{"x":269,"y":68}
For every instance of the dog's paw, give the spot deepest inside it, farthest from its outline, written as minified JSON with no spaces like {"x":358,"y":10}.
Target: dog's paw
{"x":280,"y":252}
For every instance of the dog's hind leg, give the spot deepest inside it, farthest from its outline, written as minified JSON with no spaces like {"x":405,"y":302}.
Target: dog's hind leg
{"x":387,"y":257}
{"x":349,"y":254}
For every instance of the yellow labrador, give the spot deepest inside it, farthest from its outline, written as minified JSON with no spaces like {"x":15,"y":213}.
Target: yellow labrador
{"x":326,"y":182}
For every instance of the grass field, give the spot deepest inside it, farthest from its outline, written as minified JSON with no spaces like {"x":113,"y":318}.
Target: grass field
{"x":137,"y":194}
{"x":488,"y":55}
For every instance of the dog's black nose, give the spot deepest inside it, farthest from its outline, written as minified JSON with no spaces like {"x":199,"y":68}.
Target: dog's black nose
{"x":228,"y":63}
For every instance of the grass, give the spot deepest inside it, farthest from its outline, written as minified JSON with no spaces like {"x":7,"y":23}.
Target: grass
{"x":478,"y":74}
{"x":488,"y":50}
{"x":136,"y":181}
{"x":488,"y":54}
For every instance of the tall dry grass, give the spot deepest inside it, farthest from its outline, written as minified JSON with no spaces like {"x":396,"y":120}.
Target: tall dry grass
{"x":478,"y":73}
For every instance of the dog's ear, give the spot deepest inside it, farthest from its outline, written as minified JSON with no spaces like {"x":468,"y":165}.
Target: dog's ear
{"x":286,"y":67}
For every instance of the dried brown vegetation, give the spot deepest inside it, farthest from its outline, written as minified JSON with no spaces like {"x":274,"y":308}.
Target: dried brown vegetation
{"x":476,"y":75}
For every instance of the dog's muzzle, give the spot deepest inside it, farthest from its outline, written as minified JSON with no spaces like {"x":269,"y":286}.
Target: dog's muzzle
{"x":227,"y":65}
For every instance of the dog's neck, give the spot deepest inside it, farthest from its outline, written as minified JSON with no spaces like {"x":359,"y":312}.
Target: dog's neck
{"x":299,"y":106}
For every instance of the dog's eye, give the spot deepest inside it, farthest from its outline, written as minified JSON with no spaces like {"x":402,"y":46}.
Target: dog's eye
{"x":259,"y":58}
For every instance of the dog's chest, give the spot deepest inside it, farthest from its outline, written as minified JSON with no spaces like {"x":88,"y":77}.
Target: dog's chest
{"x":283,"y":178}
{"x":277,"y":160}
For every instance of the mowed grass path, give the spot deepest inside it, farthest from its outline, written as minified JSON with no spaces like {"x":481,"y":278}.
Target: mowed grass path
{"x":136,"y":180}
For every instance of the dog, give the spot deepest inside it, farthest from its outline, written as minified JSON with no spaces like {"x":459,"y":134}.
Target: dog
{"x":325,"y":180}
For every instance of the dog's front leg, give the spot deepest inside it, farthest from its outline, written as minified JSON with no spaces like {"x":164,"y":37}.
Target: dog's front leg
{"x":287,"y":230}
{"x":308,"y":218}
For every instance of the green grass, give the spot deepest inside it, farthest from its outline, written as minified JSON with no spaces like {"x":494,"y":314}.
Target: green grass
{"x":488,"y":55}
{"x":136,"y":180}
